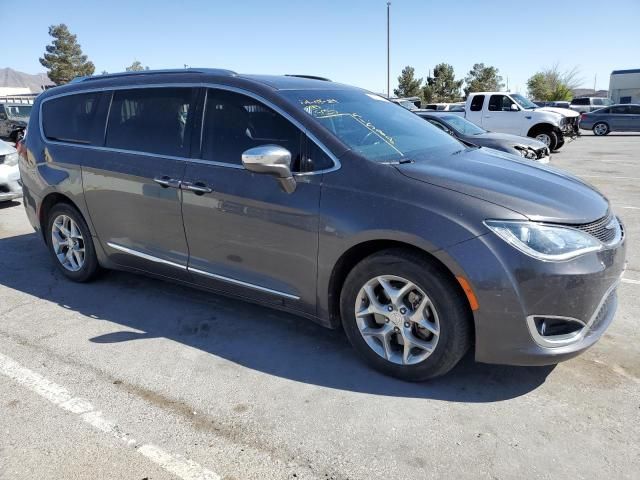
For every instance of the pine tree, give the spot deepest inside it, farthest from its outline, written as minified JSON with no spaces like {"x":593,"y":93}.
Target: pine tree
{"x":408,"y":85}
{"x":483,"y":79}
{"x":442,"y":86}
{"x":64,"y":58}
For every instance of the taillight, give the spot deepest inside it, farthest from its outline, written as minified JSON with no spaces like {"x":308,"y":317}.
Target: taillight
{"x":582,"y":115}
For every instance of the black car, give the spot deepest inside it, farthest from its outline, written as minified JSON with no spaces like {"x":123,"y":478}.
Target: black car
{"x":472,"y":134}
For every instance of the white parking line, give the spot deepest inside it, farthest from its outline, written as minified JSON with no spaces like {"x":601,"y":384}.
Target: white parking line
{"x":177,"y":465}
{"x":631,"y":208}
{"x":628,"y":280}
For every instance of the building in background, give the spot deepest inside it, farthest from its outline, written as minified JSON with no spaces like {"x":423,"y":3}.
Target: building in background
{"x":624,"y":86}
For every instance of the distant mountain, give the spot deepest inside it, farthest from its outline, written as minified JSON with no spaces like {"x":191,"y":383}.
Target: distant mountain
{"x":590,"y":92}
{"x":13,"y":78}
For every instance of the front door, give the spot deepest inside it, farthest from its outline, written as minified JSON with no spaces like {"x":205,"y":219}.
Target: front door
{"x":132,"y":184}
{"x":500,"y":118}
{"x":247,"y":235}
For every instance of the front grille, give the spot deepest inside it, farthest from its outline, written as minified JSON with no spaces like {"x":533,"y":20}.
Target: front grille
{"x":599,"y":228}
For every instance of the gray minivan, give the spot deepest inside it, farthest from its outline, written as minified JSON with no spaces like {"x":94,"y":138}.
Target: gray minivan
{"x":327,"y":201}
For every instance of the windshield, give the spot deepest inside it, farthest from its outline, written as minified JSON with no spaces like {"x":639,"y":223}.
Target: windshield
{"x":523,"y":102}
{"x":18,"y":110}
{"x":464,"y":127}
{"x":371,"y":125}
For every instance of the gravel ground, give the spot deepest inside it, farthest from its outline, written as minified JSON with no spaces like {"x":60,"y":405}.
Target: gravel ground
{"x":235,"y":391}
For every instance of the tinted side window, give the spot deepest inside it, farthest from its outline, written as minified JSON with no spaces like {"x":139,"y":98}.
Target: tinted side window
{"x":151,"y":120}
{"x":74,"y":118}
{"x":598,"y":101}
{"x":580,"y":101}
{"x":620,"y":109}
{"x":500,"y":103}
{"x":476,"y":103}
{"x":603,"y":110}
{"x":634,"y":109}
{"x":315,"y":159}
{"x":234,"y":123}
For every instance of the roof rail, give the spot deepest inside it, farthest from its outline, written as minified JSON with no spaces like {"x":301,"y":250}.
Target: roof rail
{"x":212,"y":71}
{"x":310,"y":77}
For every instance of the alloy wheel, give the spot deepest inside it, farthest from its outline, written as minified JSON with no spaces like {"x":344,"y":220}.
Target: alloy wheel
{"x":68,"y":243}
{"x":544,"y":138}
{"x":397,"y":319}
{"x":600,"y":129}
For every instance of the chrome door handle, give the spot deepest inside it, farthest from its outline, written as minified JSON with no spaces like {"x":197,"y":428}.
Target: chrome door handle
{"x":167,"y":182}
{"x":198,"y":188}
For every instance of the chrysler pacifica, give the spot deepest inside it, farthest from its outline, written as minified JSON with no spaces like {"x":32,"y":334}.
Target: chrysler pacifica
{"x":327,"y":201}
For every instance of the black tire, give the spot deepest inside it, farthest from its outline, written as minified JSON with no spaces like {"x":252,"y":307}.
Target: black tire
{"x":552,"y":135}
{"x":560,"y":144}
{"x":90,"y":267}
{"x":601,"y":129}
{"x":455,"y":335}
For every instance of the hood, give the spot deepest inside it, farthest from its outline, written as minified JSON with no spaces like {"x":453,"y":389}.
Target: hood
{"x":538,"y":192}
{"x":495,"y":138}
{"x":565,"y":112}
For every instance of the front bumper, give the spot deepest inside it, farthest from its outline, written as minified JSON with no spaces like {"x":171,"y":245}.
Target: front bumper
{"x":512,"y":287}
{"x":10,"y":187}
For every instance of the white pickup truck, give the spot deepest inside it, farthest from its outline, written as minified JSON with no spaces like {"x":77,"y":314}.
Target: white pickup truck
{"x":506,"y":112}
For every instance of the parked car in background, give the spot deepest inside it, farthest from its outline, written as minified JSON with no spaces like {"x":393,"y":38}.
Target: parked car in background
{"x":470,"y":133}
{"x":10,"y":188}
{"x":556,"y":103}
{"x":589,"y":104}
{"x":512,"y":113}
{"x":616,"y":118}
{"x":327,"y":201}
{"x":444,"y":107}
{"x":13,"y":119}
{"x":410,"y":103}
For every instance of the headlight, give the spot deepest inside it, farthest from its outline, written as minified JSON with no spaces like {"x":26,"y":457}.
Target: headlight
{"x":11,"y":159}
{"x":544,"y":242}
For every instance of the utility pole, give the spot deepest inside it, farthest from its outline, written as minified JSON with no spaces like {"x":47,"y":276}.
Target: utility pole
{"x":595,"y":77}
{"x":388,"y":54}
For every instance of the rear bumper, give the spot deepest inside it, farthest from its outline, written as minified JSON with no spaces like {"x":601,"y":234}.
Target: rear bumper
{"x":10,"y":187}
{"x":512,"y":287}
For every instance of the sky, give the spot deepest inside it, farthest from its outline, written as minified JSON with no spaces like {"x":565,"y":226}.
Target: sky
{"x":344,"y":40}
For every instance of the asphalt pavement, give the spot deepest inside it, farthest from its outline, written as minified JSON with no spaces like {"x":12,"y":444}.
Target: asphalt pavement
{"x":130,"y":377}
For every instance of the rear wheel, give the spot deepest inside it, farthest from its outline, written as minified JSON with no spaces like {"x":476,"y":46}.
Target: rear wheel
{"x":600,"y":129}
{"x":70,"y":243}
{"x":405,"y":316}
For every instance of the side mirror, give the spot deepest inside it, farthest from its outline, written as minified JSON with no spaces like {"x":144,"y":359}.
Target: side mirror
{"x":514,"y":107}
{"x":271,"y":160}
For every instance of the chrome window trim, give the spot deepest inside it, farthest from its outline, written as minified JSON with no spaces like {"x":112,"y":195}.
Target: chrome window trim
{"x":205,"y":85}
{"x":215,"y":276}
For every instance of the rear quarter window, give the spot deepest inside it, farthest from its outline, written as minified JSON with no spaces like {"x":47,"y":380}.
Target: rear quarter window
{"x":77,"y":118}
{"x":580,"y":101}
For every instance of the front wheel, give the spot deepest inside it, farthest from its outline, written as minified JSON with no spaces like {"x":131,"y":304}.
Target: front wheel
{"x":405,"y":316}
{"x":548,"y":137}
{"x":600,"y":129}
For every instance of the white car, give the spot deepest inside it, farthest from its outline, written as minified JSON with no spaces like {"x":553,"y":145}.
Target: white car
{"x":9,"y":173}
{"x":506,"y":112}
